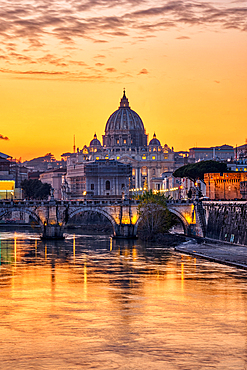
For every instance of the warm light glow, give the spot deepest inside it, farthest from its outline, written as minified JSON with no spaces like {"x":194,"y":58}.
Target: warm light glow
{"x":182,"y":276}
{"x":15,"y":248}
{"x":180,"y":72}
{"x":134,"y":219}
{"x":7,"y":185}
{"x":74,"y":246}
{"x":125,"y":221}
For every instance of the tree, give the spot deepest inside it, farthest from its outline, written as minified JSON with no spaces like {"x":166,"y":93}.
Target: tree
{"x":35,"y":189}
{"x":196,"y":171}
{"x":154,"y":214}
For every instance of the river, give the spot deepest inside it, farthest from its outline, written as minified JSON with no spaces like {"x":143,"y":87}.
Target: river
{"x":91,"y":302}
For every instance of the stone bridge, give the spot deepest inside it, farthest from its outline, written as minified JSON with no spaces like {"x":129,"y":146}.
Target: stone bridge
{"x":221,"y":220}
{"x":53,"y":215}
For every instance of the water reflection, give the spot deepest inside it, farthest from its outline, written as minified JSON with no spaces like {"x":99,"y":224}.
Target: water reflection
{"x":93,"y":302}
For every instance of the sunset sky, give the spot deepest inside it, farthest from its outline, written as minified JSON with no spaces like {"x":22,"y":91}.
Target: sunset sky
{"x":64,"y":64}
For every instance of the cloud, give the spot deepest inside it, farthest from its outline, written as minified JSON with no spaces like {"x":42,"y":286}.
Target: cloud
{"x":30,"y":30}
{"x":144,"y":71}
{"x":100,"y":41}
{"x":3,"y":137}
{"x":126,"y":60}
{"x":99,"y":64}
{"x":99,"y":56}
{"x":111,"y":70}
{"x":183,"y":38}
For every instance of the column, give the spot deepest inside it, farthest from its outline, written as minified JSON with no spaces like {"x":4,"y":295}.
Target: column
{"x":98,"y":190}
{"x":117,"y":187}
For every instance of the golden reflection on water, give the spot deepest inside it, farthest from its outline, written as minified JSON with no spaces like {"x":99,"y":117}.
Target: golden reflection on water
{"x":15,"y":248}
{"x":117,"y":305}
{"x":182,"y":277}
{"x":74,"y":246}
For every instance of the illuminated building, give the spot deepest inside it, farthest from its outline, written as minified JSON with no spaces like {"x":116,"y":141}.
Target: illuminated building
{"x":107,"y":177}
{"x":125,"y":140}
{"x":219,"y":153}
{"x":225,"y":186}
{"x":54,"y":178}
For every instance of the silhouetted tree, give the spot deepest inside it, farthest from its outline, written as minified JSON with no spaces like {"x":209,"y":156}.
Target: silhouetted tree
{"x":154,"y":214}
{"x":196,"y":171}
{"x":35,"y":189}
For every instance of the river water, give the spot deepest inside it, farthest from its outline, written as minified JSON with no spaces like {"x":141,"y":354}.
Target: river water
{"x":91,"y":302}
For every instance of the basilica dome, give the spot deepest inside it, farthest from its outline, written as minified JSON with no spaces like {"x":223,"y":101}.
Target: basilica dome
{"x":124,"y":126}
{"x":124,"y":118}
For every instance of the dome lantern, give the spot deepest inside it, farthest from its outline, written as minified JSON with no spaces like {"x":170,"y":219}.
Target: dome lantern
{"x":124,"y":103}
{"x":154,"y":141}
{"x":95,"y":141}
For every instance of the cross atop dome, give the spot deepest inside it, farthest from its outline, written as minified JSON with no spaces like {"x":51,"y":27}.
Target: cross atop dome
{"x":124,"y":103}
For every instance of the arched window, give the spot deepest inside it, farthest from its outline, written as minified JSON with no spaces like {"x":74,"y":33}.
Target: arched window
{"x":107,"y":185}
{"x":144,"y":171}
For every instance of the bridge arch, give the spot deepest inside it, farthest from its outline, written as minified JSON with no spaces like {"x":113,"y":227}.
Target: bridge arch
{"x":29,"y":211}
{"x":181,"y":217}
{"x":97,"y":210}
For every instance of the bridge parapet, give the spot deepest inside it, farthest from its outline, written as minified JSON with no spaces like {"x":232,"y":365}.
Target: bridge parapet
{"x":123,"y":215}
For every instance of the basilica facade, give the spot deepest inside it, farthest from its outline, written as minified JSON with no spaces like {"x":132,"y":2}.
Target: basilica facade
{"x":125,"y":140}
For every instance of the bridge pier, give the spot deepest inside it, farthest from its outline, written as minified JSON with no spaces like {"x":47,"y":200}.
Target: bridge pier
{"x":124,"y":231}
{"x":52,"y":232}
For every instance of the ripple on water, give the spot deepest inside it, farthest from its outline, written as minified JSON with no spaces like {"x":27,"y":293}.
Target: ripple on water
{"x":93,"y":302}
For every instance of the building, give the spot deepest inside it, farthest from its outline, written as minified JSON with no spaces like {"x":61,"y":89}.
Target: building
{"x":8,"y":188}
{"x":243,"y":189}
{"x":241,"y":151}
{"x":125,"y":140}
{"x":178,"y":188}
{"x":225,"y":186}
{"x":238,"y":165}
{"x":218,"y":153}
{"x":55,"y":178}
{"x":107,"y":177}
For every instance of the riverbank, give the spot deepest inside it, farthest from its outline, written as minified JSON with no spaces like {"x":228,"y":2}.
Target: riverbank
{"x":216,"y":251}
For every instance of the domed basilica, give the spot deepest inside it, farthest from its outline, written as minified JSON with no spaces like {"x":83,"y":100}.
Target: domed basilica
{"x":125,"y":140}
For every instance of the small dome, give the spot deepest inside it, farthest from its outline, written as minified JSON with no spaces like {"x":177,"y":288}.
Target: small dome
{"x":154,"y":141}
{"x":95,"y":141}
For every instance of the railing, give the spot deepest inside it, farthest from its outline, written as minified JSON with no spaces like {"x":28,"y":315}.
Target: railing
{"x":102,"y":202}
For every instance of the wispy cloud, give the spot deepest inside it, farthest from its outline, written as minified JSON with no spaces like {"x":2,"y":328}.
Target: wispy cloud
{"x":111,"y":70}
{"x":31,"y":30}
{"x":144,"y":71}
{"x":3,"y":137}
{"x":182,"y":38}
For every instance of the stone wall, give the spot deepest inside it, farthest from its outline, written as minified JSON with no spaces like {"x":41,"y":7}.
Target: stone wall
{"x":227,"y":222}
{"x":224,"y":186}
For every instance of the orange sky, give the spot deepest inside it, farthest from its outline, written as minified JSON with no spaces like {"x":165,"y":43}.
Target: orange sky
{"x":63,"y":66}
